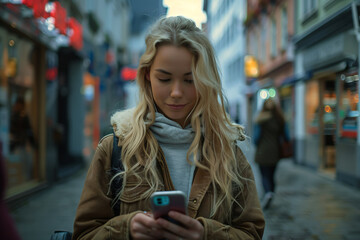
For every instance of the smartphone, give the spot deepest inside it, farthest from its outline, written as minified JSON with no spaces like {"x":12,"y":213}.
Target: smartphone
{"x":164,"y":201}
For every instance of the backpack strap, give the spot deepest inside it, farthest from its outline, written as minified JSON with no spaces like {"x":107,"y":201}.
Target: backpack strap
{"x":116,"y":166}
{"x":116,"y":154}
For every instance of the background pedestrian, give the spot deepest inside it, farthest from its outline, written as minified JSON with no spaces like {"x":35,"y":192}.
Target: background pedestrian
{"x":268,"y":134}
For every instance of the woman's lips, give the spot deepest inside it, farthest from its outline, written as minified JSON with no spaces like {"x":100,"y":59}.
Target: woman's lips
{"x":176,"y":106}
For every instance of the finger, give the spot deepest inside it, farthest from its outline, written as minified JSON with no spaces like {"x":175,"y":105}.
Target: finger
{"x":147,"y":220}
{"x":172,"y":230}
{"x":185,"y":220}
{"x":145,"y":225}
{"x":150,"y":226}
{"x":192,"y":228}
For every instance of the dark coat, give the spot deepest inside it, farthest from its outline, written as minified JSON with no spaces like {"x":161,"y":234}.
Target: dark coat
{"x":268,"y":145}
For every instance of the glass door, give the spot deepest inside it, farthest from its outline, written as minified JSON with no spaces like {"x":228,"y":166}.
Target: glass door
{"x":312,"y":142}
{"x":328,"y":126}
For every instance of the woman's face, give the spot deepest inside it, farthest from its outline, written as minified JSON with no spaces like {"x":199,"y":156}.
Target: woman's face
{"x":172,"y":83}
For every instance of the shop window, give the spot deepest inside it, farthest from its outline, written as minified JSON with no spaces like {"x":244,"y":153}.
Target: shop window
{"x":348,"y":102}
{"x":309,"y":8}
{"x":312,"y":108}
{"x":17,"y":86}
{"x":329,"y":108}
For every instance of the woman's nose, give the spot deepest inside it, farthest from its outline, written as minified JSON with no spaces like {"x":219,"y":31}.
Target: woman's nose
{"x":176,"y":89}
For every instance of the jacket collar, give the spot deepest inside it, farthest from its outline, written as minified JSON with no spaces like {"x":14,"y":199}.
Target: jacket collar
{"x":121,"y":123}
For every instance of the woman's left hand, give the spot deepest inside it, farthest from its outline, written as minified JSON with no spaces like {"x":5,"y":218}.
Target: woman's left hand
{"x":192,"y":229}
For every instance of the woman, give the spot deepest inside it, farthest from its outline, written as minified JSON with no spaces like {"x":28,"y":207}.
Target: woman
{"x":271,"y":124}
{"x":178,"y":137}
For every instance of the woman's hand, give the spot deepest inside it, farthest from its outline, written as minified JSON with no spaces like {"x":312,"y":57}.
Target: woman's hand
{"x":144,"y":227}
{"x":192,"y":229}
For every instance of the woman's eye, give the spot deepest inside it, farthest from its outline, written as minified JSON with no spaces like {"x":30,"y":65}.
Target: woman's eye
{"x":164,"y":79}
{"x":189,"y":80}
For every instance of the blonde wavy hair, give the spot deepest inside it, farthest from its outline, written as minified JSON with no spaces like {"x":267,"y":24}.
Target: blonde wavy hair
{"x":215,"y":134}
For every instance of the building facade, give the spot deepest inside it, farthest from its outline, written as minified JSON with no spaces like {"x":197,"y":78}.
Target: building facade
{"x":315,"y":75}
{"x":49,"y":56}
{"x":269,"y":31}
{"x":225,"y":30}
{"x":30,"y":46}
{"x":326,"y":111}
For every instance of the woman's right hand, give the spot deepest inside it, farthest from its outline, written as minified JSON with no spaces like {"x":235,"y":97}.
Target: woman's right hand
{"x":144,"y":227}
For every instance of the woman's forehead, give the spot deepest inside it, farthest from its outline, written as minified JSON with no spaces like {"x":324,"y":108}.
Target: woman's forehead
{"x":173,"y":56}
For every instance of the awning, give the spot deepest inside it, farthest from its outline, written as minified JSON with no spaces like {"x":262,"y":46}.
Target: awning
{"x":296,"y":77}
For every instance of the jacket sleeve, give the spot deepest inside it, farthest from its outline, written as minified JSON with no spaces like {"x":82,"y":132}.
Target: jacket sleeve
{"x":247,"y":220}
{"x":94,"y":217}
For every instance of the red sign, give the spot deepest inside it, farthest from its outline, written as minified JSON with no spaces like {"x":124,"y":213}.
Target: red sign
{"x":128,"y":74}
{"x":76,"y":39}
{"x":59,"y":14}
{"x":28,"y":3}
{"x":51,"y":74}
{"x":38,"y":6}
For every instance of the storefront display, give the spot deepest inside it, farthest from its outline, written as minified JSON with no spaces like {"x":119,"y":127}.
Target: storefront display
{"x":17,"y":102}
{"x":312,"y":108}
{"x":32,"y":125}
{"x":348,"y":107}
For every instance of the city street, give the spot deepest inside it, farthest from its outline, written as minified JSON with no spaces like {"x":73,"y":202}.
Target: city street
{"x":287,"y":70}
{"x":306,"y":206}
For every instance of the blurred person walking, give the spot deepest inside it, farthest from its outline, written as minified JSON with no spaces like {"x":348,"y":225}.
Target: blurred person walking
{"x":270,"y":131}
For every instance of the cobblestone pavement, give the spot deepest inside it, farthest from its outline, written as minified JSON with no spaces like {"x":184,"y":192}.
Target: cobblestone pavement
{"x":306,"y":206}
{"x":52,"y":209}
{"x":309,"y":206}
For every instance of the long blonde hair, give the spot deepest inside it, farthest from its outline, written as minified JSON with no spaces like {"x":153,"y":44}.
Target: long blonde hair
{"x":215,"y":134}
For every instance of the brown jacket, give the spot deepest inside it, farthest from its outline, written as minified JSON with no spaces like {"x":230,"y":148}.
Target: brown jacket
{"x":96,"y":220}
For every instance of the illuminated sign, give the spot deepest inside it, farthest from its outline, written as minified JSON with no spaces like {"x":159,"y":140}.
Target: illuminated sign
{"x":251,"y":67}
{"x":128,"y":73}
{"x":38,"y":6}
{"x":59,"y":15}
{"x":267,"y":93}
{"x":76,"y":38}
